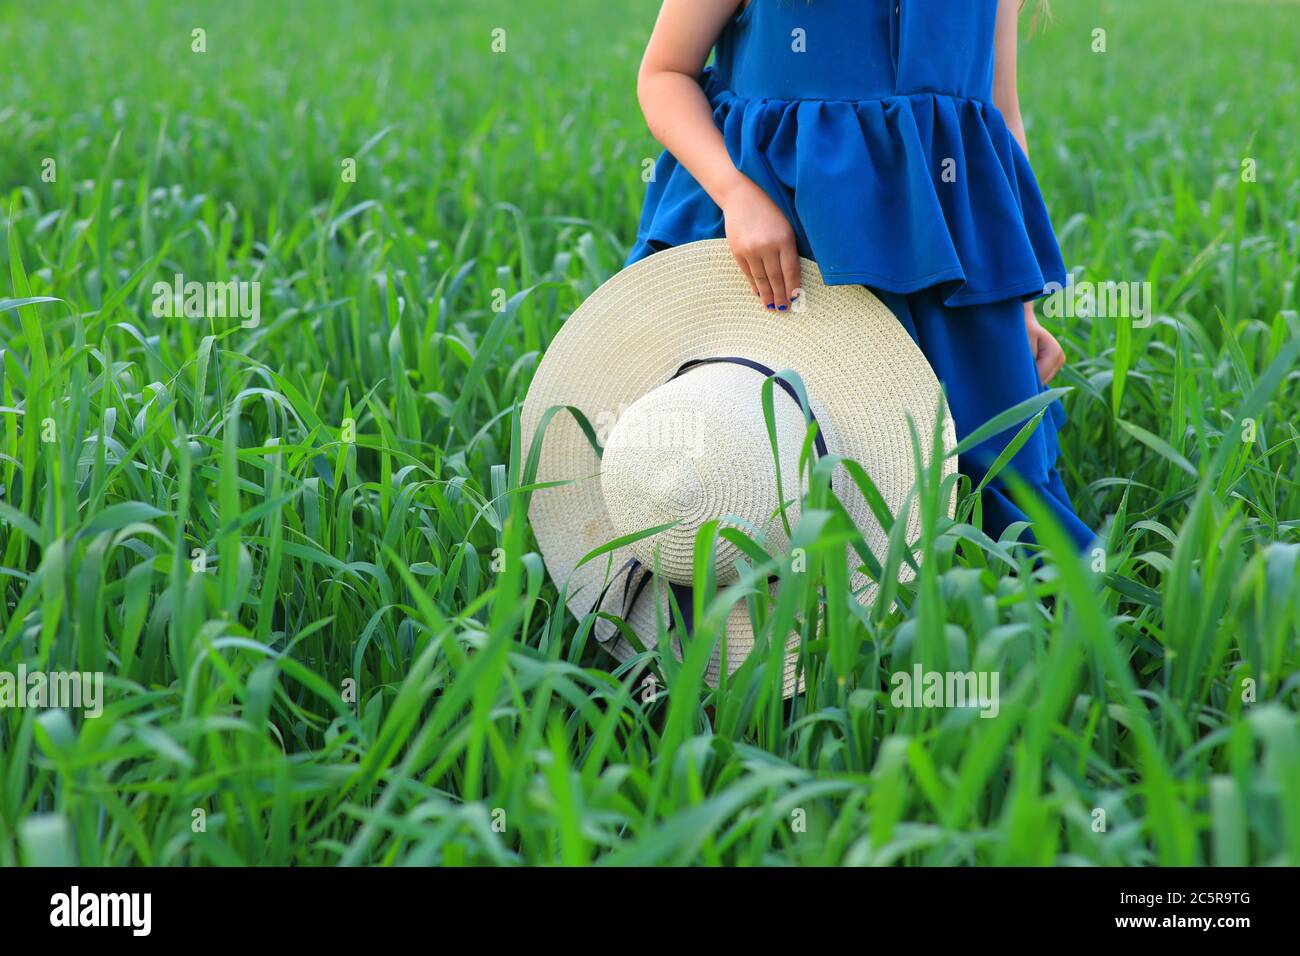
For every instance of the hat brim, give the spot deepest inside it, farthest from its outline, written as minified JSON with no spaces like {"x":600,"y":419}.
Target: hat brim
{"x":863,"y":374}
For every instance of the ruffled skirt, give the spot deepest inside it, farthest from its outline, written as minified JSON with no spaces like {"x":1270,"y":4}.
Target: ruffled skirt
{"x":900,"y":193}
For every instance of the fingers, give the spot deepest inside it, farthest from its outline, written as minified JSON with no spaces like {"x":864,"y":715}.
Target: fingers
{"x":759,"y":271}
{"x":772,"y":264}
{"x":749,"y":273}
{"x":1057,"y":364}
{"x":773,"y":268}
{"x":1050,"y":359}
{"x":782,"y":264}
{"x":791,"y":272}
{"x":763,"y":243}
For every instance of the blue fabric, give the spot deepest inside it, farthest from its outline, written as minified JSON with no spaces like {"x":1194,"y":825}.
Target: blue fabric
{"x":981,"y":355}
{"x":881,"y":144}
{"x":870,"y":123}
{"x":1000,"y":511}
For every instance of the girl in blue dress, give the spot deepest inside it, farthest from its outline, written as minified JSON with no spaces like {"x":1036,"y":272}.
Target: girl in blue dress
{"x":881,"y":139}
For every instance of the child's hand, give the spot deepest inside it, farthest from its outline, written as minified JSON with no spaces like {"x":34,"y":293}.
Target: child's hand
{"x":763,"y":243}
{"x":1047,"y":352}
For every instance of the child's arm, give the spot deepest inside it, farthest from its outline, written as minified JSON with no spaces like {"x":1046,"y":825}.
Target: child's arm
{"x":1048,"y":354}
{"x":679,"y":116}
{"x":1006,"y":92}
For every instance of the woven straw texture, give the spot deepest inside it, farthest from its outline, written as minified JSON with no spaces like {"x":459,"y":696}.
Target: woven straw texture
{"x":694,"y":448}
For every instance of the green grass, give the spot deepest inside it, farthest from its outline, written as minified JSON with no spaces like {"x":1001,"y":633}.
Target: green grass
{"x":485,"y":725}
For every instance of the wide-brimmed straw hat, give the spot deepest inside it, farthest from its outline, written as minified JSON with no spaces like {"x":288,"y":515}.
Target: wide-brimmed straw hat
{"x":667,"y":362}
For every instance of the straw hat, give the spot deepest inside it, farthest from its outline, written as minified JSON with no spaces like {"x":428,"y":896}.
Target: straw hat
{"x":667,"y":361}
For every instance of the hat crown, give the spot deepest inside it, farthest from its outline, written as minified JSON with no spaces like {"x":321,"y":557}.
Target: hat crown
{"x":677,"y":488}
{"x":696,"y":449}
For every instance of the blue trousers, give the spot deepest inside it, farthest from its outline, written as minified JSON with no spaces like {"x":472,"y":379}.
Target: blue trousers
{"x":981,"y":355}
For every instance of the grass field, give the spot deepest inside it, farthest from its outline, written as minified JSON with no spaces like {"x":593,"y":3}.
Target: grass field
{"x":277,"y":542}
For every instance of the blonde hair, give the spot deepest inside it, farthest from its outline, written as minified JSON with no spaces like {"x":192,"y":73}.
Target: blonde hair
{"x":1042,"y":13}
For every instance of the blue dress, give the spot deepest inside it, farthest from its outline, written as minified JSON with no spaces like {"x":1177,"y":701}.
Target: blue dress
{"x":871,"y":124}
